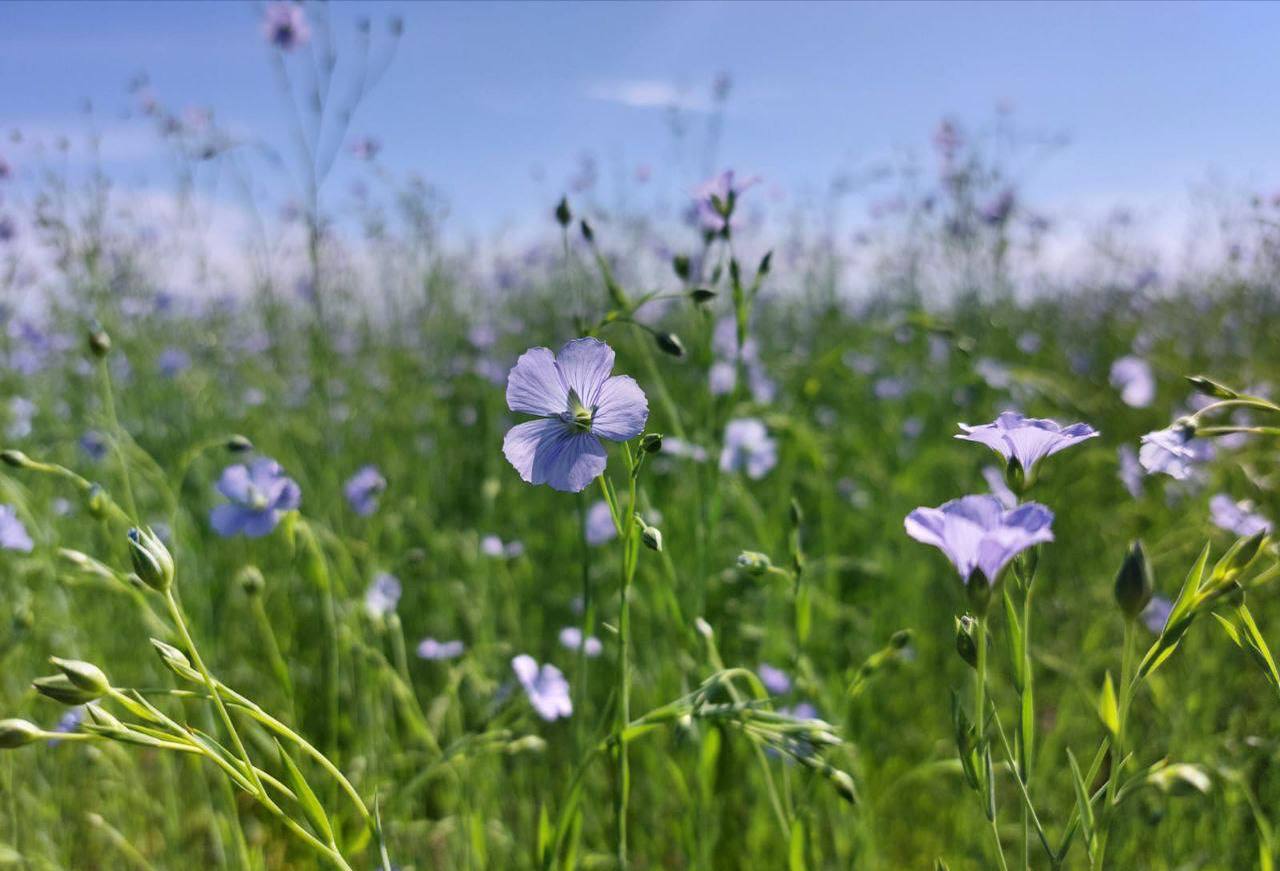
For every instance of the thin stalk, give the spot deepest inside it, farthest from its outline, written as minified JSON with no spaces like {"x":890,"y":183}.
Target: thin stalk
{"x":1117,"y":751}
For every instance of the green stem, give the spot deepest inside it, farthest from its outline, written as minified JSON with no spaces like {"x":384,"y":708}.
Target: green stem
{"x":1117,"y":751}
{"x":117,"y":436}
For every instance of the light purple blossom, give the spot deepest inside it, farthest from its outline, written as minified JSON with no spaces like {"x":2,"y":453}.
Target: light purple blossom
{"x":978,"y":534}
{"x":437,"y":651}
{"x":571,"y":637}
{"x":599,"y":526}
{"x":493,"y":546}
{"x":1028,"y":440}
{"x":578,"y":403}
{"x":748,"y":448}
{"x":13,"y":535}
{"x":383,"y":594}
{"x":1131,"y":473}
{"x":998,"y":486}
{"x":1156,"y":614}
{"x":363,"y":489}
{"x":1133,"y":378}
{"x":173,"y":361}
{"x":1236,"y":517}
{"x":775,"y":680}
{"x":259,"y":494}
{"x":1173,"y":451}
{"x":546,"y":687}
{"x":678,"y":447}
{"x":285,"y":25}
{"x":94,"y":444}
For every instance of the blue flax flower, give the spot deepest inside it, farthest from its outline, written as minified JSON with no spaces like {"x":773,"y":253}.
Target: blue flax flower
{"x":260,"y":493}
{"x":1027,"y":440}
{"x":978,"y":534}
{"x":579,"y":402}
{"x":363,"y":489}
{"x":546,"y":687}
{"x":13,"y":535}
{"x":431,"y":649}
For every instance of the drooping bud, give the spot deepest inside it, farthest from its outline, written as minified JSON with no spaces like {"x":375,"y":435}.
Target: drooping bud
{"x":1134,"y":582}
{"x":1209,"y":387}
{"x":15,"y":458}
{"x":651,"y":442}
{"x":18,"y":733}
{"x":151,"y":559}
{"x":239,"y":444}
{"x":250,"y":580}
{"x":60,"y":689}
{"x":652,"y":538}
{"x":563,"y":216}
{"x":99,"y":341}
{"x":176,"y":661}
{"x":967,"y":639}
{"x":669,"y":343}
{"x":754,"y":563}
{"x":84,"y":675}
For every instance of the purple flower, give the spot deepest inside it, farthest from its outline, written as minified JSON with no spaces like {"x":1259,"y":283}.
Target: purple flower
{"x":1028,"y":440}
{"x":1237,"y":517}
{"x":68,"y":723}
{"x":437,"y":651}
{"x":493,"y":546}
{"x":775,"y":680}
{"x":678,"y":447}
{"x":578,"y":403}
{"x":1130,"y":470}
{"x":173,"y":361}
{"x":748,"y":447}
{"x":978,"y":534}
{"x":259,"y":494}
{"x":599,"y":526}
{"x":571,"y":637}
{"x":998,"y":486}
{"x":1156,"y":614}
{"x":13,"y":535}
{"x":1173,"y":451}
{"x":546,"y":687}
{"x":363,"y":489}
{"x":1132,"y":377}
{"x":285,"y":26}
{"x":383,"y":595}
{"x":716,"y":198}
{"x":94,"y":444}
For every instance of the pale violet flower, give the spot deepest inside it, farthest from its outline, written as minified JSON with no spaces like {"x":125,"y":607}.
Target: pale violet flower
{"x":1173,"y":451}
{"x":383,"y":594}
{"x":1237,"y":517}
{"x":546,"y":687}
{"x":1156,"y":614}
{"x":978,"y":534}
{"x":998,"y":486}
{"x":678,"y":447}
{"x":1130,"y":470}
{"x":259,"y":495}
{"x":363,"y":489}
{"x":1133,"y":378}
{"x":436,"y":651}
{"x":598,"y":527}
{"x":1027,"y":440}
{"x":748,"y":448}
{"x":13,"y":535}
{"x":571,"y":637}
{"x":578,"y":402}
{"x":493,"y":546}
{"x":775,"y":680}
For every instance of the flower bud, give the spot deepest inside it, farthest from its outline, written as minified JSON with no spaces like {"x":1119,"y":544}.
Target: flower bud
{"x":680,"y":265}
{"x":702,"y":295}
{"x":176,"y":661}
{"x":1236,"y":561}
{"x":250,"y":580}
{"x":238,"y":444}
{"x":96,"y":501}
{"x":651,"y":442}
{"x":1209,"y":387}
{"x":99,"y":341}
{"x":900,"y":639}
{"x":669,"y":343}
{"x":754,"y":563}
{"x":704,"y":628}
{"x":1015,"y":476}
{"x":526,"y":744}
{"x":1134,"y":582}
{"x":843,"y":784}
{"x":18,"y":733}
{"x":652,"y":538}
{"x":84,"y":675}
{"x":766,"y":262}
{"x":966,"y":639}
{"x":60,"y":689}
{"x":15,"y":458}
{"x":563,"y":216}
{"x":587,"y":232}
{"x":151,"y":559}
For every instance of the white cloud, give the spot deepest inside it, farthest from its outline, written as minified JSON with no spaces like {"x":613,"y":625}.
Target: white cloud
{"x":649,"y":94}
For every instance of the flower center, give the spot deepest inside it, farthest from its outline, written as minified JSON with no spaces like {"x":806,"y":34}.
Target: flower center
{"x":580,"y":415}
{"x":257,"y":500}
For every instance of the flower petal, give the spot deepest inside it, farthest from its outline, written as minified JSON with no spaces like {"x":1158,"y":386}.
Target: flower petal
{"x":234,"y":483}
{"x":621,"y":409}
{"x":227,"y":519}
{"x":585,"y":365}
{"x":535,"y":385}
{"x":550,"y":452}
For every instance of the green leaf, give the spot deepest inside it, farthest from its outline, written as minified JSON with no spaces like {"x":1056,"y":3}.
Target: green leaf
{"x":1016,"y":642}
{"x":1083,"y":805}
{"x":795,"y":860}
{"x":306,"y":798}
{"x":1108,"y":709}
{"x":545,"y":835}
{"x":1258,"y":644}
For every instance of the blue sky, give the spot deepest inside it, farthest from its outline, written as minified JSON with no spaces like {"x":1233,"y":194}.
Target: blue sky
{"x":1154,"y":96}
